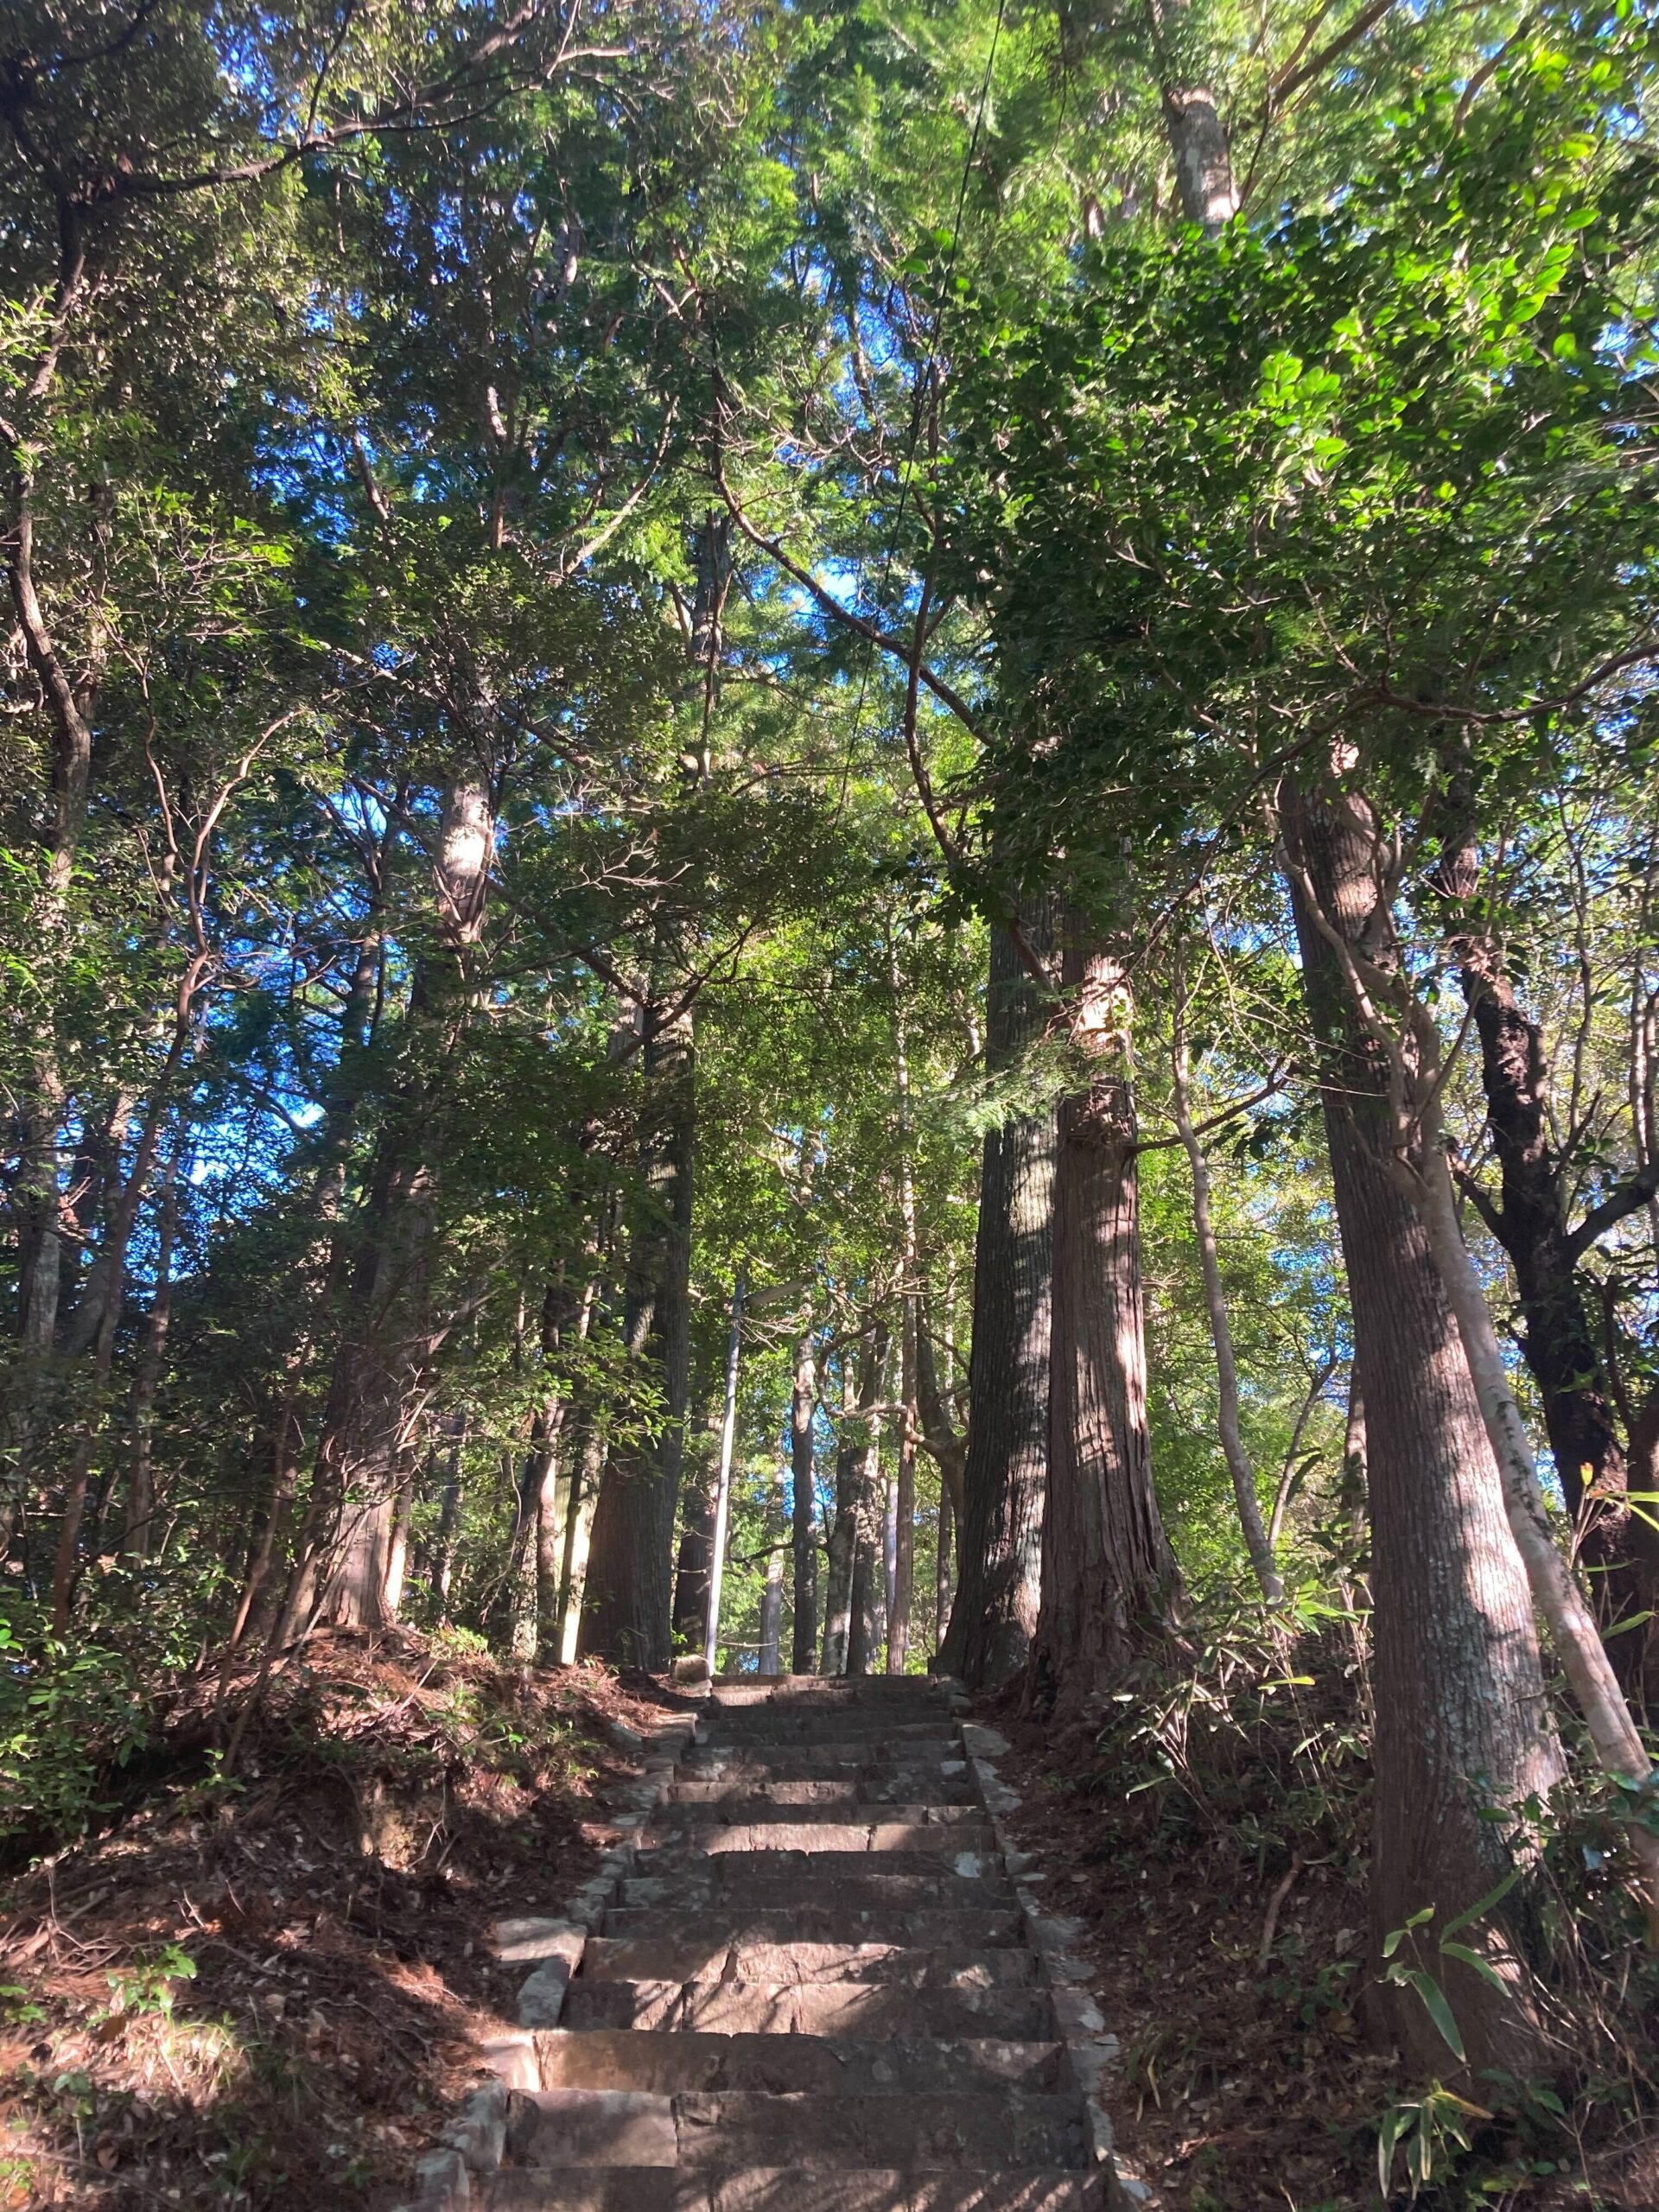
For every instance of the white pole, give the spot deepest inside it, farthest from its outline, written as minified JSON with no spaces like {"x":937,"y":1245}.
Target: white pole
{"x":723,"y":1489}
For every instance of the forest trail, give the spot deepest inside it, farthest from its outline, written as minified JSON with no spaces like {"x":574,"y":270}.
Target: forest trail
{"x":815,"y":1992}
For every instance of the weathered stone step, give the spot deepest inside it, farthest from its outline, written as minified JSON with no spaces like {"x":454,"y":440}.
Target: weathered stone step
{"x":791,"y":2189}
{"x":784,"y":2064}
{"x":719,"y":1926}
{"x":831,"y":1689}
{"x":765,"y":1765}
{"x":920,"y":1752}
{"x":742,"y":2127}
{"x":703,"y":1884}
{"x":929,"y":1731}
{"x":608,"y":1958}
{"x":809,"y":1847}
{"x":865,"y":2010}
{"x":711,"y":1804}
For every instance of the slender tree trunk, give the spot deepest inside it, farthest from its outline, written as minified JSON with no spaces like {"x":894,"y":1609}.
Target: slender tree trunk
{"x":772,"y":1593}
{"x":802,"y":1410}
{"x":1257,"y":1540}
{"x":1559,"y":1342}
{"x":146,"y":1381}
{"x":628,"y":1613}
{"x":994,"y":1618}
{"x":448,"y":1536}
{"x":720,"y":1534}
{"x":1462,"y":1724}
{"x":587,"y":1479}
{"x":855,"y":1553}
{"x":403,"y":1514}
{"x":903,"y":1504}
{"x":1110,"y":1580}
{"x":843,"y":1534}
{"x":257,"y":1606}
{"x":901,"y":1573}
{"x":691,"y":1568}
{"x":942,"y":1570}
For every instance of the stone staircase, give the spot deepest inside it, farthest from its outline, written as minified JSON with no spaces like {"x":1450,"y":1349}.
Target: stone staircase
{"x":818,"y":1989}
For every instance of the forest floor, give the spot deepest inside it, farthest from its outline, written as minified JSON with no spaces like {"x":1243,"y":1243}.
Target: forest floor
{"x":1249,"y":2083}
{"x":268,"y":1988}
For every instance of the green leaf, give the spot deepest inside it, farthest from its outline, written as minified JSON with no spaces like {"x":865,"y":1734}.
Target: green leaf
{"x":1482,"y":1906}
{"x":1438,"y":2010}
{"x":1473,"y":1959}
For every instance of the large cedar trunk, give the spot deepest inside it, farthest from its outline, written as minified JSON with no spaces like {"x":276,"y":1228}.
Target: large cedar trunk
{"x":1110,"y":1579}
{"x":371,"y":1407}
{"x":627,"y":1607}
{"x":365,"y":1430}
{"x":994,"y":1614}
{"x":1461,"y":1721}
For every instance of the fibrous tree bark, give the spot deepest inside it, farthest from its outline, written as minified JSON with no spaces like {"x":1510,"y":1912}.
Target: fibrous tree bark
{"x":1110,"y":1580}
{"x":373,"y":1404}
{"x":627,"y":1607}
{"x":1462,"y":1726}
{"x":993,"y":1613}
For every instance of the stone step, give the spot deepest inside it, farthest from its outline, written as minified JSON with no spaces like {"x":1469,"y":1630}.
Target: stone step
{"x":704,"y":1885}
{"x":608,"y":1958}
{"x":855,"y":1714}
{"x":941,"y":1793}
{"x":721,"y":2129}
{"x":861,"y":2011}
{"x":784,"y":2064}
{"x":791,"y":2189}
{"x":710,"y":1804}
{"x":765,"y":1753}
{"x":896,"y":1699}
{"x":828,"y":1838}
{"x":884,"y":1779}
{"x":715,"y":1928}
{"x":824,"y":1849}
{"x":931,"y":1731}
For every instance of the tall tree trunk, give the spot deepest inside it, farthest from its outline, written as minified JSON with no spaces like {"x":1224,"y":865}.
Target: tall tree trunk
{"x":994,"y":1616}
{"x":903,"y":1502}
{"x":942,"y":1549}
{"x":1559,"y":1342}
{"x":1257,"y":1542}
{"x":1110,"y":1579}
{"x":854,"y":1547}
{"x":540,"y":1468}
{"x":146,"y":1381}
{"x":691,"y":1568}
{"x":802,"y":1410}
{"x":1462,"y":1725}
{"x":256,"y":1608}
{"x":772,"y":1592}
{"x":448,"y":1536}
{"x":588,"y":1475}
{"x":627,"y":1616}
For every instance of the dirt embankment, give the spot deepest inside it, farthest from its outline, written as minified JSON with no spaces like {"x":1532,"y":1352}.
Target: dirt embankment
{"x":264,"y":1987}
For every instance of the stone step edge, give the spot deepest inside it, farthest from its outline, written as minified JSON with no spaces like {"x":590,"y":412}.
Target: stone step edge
{"x":476,"y":2142}
{"x":1094,"y":2055}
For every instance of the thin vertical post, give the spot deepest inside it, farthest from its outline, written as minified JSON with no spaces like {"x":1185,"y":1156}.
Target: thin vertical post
{"x":723,"y":1485}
